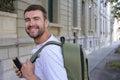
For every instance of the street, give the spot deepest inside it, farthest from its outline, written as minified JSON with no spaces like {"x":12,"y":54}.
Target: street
{"x":97,"y":61}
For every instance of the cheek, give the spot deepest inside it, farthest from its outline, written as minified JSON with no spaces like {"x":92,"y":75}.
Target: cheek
{"x":38,"y":23}
{"x":26,"y":25}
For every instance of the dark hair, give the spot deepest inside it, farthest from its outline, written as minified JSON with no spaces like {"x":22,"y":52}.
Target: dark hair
{"x":36,"y":7}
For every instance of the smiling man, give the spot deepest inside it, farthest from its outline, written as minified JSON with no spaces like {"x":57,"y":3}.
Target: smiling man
{"x":49,"y":65}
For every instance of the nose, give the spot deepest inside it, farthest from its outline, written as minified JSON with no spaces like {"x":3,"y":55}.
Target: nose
{"x":31,"y":23}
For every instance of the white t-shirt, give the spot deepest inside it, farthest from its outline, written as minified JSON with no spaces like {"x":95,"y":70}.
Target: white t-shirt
{"x":50,"y":65}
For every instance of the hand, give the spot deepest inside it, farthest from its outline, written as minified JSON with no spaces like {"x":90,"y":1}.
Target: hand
{"x":18,"y":72}
{"x":27,"y":69}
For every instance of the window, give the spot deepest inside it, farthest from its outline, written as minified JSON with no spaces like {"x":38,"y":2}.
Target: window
{"x":90,"y":43}
{"x":83,"y":18}
{"x":95,"y":24}
{"x":53,"y":11}
{"x":83,"y":8}
{"x":100,"y":25}
{"x":75,"y":13}
{"x":90,"y":14}
{"x":50,"y":10}
{"x":90,"y":19}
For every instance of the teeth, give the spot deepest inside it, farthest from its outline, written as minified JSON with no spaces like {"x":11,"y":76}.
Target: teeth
{"x":32,"y":28}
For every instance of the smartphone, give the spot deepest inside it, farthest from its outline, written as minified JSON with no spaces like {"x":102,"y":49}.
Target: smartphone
{"x":17,"y":63}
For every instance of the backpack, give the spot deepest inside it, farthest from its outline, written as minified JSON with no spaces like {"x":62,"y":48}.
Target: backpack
{"x":75,"y":60}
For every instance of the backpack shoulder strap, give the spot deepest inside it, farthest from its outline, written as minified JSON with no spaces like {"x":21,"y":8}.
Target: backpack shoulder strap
{"x":33,"y":58}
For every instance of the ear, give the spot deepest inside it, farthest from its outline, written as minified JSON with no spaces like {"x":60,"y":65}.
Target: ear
{"x":46,"y":23}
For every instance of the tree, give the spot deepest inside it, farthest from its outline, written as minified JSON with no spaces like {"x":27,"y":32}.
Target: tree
{"x":7,"y":5}
{"x":115,"y":8}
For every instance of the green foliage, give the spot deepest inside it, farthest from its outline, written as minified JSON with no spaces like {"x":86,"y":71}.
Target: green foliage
{"x":7,"y":5}
{"x":112,"y":1}
{"x":113,"y":65}
{"x":115,"y":8}
{"x":117,"y":49}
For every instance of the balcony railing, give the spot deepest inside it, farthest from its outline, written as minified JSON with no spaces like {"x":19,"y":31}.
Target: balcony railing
{"x":7,"y":5}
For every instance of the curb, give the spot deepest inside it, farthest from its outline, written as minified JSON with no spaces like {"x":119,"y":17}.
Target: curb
{"x":98,"y":56}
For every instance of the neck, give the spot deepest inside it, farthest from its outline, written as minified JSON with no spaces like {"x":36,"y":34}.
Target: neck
{"x":42,"y":38}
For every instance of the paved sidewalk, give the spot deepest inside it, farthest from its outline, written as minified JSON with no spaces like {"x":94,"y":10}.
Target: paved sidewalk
{"x":96,"y":57}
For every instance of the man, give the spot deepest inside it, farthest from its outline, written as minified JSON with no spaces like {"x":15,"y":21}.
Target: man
{"x":49,"y":65}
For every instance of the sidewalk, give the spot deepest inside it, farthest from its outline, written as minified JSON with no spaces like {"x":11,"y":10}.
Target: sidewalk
{"x":96,"y":57}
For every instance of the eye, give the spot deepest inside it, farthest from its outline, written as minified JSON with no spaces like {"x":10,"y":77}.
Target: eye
{"x":27,"y":20}
{"x":36,"y":18}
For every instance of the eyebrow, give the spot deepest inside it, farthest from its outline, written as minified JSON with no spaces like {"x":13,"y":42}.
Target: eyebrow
{"x":33,"y":17}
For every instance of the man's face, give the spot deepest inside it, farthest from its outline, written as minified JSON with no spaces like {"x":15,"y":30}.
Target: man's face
{"x":34,"y":23}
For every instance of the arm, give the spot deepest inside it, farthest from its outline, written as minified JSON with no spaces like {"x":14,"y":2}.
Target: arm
{"x":28,"y":71}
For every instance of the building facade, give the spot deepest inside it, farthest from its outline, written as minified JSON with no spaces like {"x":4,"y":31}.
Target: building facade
{"x":116,"y":31}
{"x":85,"y":22}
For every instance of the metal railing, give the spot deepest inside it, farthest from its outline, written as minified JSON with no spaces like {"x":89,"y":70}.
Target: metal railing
{"x":7,"y":5}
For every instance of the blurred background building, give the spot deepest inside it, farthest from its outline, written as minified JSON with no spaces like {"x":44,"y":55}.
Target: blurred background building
{"x":116,"y":30}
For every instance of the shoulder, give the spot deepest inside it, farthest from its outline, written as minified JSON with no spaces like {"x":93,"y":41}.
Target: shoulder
{"x":52,"y":48}
{"x":51,"y":52}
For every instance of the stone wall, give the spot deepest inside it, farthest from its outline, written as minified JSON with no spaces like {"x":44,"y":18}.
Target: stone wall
{"x":7,"y":25}
{"x":8,"y":45}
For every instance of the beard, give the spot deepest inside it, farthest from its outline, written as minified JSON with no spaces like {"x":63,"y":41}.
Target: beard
{"x":39,"y":33}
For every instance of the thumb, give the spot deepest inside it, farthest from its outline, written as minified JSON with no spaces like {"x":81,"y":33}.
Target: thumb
{"x":28,"y":61}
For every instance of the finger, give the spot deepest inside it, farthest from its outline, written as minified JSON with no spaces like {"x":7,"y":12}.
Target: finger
{"x":19,"y":74}
{"x":17,"y":71}
{"x":28,"y":62}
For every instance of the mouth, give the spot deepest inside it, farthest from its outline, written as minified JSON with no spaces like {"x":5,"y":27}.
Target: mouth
{"x":32,"y":28}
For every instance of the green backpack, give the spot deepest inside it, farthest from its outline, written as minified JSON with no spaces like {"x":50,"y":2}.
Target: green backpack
{"x":75,"y":60}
